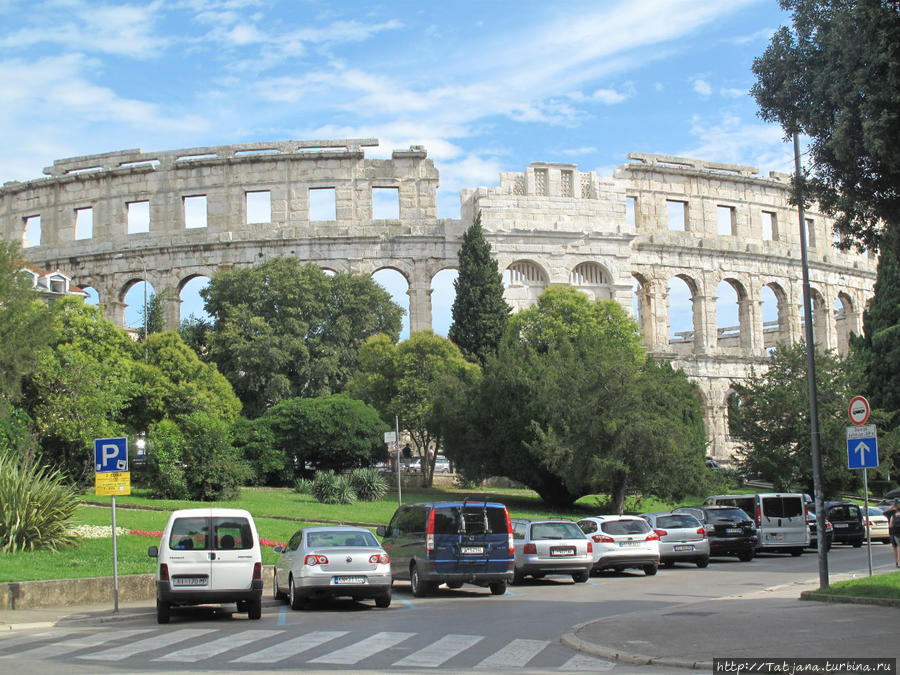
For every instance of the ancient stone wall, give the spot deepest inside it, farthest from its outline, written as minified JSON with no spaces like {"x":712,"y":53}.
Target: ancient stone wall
{"x":112,"y":220}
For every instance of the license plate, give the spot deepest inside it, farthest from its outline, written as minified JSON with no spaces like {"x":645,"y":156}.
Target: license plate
{"x":683,"y":548}
{"x":189,"y":581}
{"x":562,"y":550}
{"x":472,"y":550}
{"x":842,"y":525}
{"x":625,"y":544}
{"x":732,"y":530}
{"x":350,"y":580}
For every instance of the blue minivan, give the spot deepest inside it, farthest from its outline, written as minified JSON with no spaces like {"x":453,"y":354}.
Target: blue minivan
{"x":452,"y":543}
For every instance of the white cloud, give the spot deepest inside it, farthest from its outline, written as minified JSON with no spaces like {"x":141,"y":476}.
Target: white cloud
{"x":733,"y":140}
{"x":609,"y":96}
{"x":734,"y":92}
{"x":701,"y":86}
{"x":585,"y":150}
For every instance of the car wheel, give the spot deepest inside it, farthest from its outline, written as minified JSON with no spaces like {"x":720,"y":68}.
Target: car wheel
{"x":858,"y":543}
{"x":650,"y":570}
{"x":703,"y":562}
{"x":453,"y":585}
{"x":518,"y":578}
{"x":383,"y":600}
{"x":796,"y":552}
{"x":885,"y":541}
{"x":498,"y":587}
{"x":745,"y":556}
{"x":296,"y":600}
{"x":581,"y":577}
{"x":669,"y":563}
{"x":278,"y":595}
{"x":418,"y":587}
{"x":162,"y":611}
{"x":254,"y":609}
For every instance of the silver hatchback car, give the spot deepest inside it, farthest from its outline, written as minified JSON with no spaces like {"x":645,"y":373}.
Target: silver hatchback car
{"x":681,"y":538}
{"x":330,"y":562}
{"x":551,"y":547}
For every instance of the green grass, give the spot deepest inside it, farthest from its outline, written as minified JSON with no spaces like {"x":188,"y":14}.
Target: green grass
{"x":877,"y":586}
{"x":93,"y":557}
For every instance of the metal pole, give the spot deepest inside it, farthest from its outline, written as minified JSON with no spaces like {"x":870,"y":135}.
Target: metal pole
{"x":868,"y":528}
{"x":115,"y":561}
{"x":144,"y":269}
{"x":397,"y":451}
{"x":818,"y":478}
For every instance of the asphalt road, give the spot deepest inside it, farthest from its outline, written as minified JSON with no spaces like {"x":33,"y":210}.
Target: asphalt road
{"x":451,"y":631}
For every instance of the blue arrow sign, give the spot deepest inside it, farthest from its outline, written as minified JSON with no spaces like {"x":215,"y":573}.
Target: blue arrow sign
{"x":110,"y":454}
{"x":862,"y":447}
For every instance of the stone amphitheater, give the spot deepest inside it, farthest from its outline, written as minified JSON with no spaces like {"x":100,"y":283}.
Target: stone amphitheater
{"x":112,"y":220}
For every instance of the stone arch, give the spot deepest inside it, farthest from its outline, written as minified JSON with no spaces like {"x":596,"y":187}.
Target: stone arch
{"x":730,"y":401}
{"x":188,"y":302}
{"x":777,"y":325}
{"x":131,"y":298}
{"x":398,"y":285}
{"x":683,"y":321}
{"x":524,"y":280}
{"x":443,"y":295}
{"x":820,"y":317}
{"x":845,"y":321}
{"x":592,"y":279}
{"x":737,"y":335}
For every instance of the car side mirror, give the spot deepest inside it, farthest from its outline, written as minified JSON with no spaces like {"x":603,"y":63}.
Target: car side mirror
{"x":381,"y":530}
{"x":153,"y":552}
{"x":278,"y":549}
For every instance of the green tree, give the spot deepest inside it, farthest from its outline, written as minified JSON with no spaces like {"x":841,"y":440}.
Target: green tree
{"x":833,"y":76}
{"x":479,"y":311}
{"x":571,"y":406}
{"x":770,"y":417}
{"x":283,"y":330}
{"x":214,"y":469}
{"x":329,"y":433}
{"x":404,"y":381}
{"x":24,"y":323}
{"x":268,"y":461}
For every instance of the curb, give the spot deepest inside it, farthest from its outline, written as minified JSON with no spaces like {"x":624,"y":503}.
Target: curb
{"x":849,"y":599}
{"x":572,"y":641}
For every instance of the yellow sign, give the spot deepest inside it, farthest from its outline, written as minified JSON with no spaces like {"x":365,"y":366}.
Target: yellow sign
{"x":112,"y":483}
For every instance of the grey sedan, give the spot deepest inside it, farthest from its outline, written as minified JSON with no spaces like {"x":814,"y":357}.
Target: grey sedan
{"x":681,"y":538}
{"x":329,"y":562}
{"x":551,"y":547}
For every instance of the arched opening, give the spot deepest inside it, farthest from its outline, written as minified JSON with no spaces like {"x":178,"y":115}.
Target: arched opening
{"x":524,"y":281}
{"x":732,"y":316}
{"x":443,"y":294}
{"x":844,"y":322}
{"x":192,"y":305}
{"x":136,"y":304}
{"x":819,"y":318}
{"x":93,"y":296}
{"x":682,"y":330}
{"x":775,"y":316}
{"x":593,"y":280}
{"x":398,"y":287}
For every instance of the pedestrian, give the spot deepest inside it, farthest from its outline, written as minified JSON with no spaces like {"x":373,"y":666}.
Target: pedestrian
{"x":893,"y":515}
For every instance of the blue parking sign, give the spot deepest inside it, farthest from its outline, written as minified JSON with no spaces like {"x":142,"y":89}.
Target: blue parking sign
{"x":110,"y":454}
{"x":862,"y":447}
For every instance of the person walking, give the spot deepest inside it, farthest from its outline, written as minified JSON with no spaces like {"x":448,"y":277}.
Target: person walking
{"x":893,"y":515}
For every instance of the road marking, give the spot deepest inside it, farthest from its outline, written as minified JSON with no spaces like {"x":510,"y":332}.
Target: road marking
{"x":438,"y":652}
{"x":148,"y":644}
{"x":84,"y":641}
{"x":407,"y":603}
{"x":363,"y":649}
{"x":6,"y":642}
{"x":514,"y":655}
{"x":207,"y":650}
{"x":288,"y":648}
{"x":587,"y":664}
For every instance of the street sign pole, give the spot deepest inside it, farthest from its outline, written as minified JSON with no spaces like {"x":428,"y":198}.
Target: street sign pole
{"x":862,"y":453}
{"x":397,"y":451}
{"x":115,"y":560}
{"x":111,"y":478}
{"x":868,"y":529}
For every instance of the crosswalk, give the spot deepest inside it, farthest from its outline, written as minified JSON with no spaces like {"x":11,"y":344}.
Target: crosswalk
{"x":184,"y":647}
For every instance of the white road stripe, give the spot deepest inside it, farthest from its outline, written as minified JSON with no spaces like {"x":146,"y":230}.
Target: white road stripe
{"x":363,"y":649}
{"x":7,"y":642}
{"x":514,"y":655}
{"x":158,"y":641}
{"x":587,"y":664}
{"x":288,"y":648}
{"x":206,"y":650}
{"x":443,"y":650}
{"x":84,"y":641}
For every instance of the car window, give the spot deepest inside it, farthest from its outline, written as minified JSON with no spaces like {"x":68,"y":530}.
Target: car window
{"x":675,"y":521}
{"x":340,"y":539}
{"x":294,"y":543}
{"x":189,"y":534}
{"x":782,"y":507}
{"x":588,"y":526}
{"x":746,"y":504}
{"x":625,"y":527}
{"x":697,"y":513}
{"x":518,"y":530}
{"x":556,"y":531}
{"x":232,"y":533}
{"x":471,"y":519}
{"x":735,"y":515}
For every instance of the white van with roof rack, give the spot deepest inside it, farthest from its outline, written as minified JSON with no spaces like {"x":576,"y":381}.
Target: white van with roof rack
{"x":780,"y":519}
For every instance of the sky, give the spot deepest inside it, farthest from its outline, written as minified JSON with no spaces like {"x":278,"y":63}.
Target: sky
{"x":485,"y":86}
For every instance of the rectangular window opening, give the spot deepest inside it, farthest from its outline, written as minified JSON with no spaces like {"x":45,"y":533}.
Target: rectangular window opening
{"x":385,"y":203}
{"x":727,"y":221}
{"x":810,"y":233}
{"x":769,"y":226}
{"x":631,"y":212}
{"x":322,"y":204}
{"x":195,"y":211}
{"x":677,"y":215}
{"x":138,"y":217}
{"x":84,"y":223}
{"x":259,"y":207}
{"x":32,"y":231}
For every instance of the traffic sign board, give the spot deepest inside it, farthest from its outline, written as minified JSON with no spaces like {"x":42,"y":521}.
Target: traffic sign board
{"x":862,"y":447}
{"x":112,"y":483}
{"x":110,"y":454}
{"x":859,"y":410}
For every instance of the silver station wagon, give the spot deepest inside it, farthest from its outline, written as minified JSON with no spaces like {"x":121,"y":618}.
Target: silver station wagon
{"x":551,"y":547}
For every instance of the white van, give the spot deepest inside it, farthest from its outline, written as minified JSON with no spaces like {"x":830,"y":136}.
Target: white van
{"x":208,"y":556}
{"x":780,"y":519}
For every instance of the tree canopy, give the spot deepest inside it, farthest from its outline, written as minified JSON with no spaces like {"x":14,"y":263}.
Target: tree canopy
{"x":833,"y":76}
{"x":282,"y":330}
{"x":479,"y":311}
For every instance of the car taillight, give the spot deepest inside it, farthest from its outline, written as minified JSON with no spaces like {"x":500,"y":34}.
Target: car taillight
{"x":758,"y":516}
{"x":702,"y":531}
{"x":257,"y":571}
{"x":163,"y":572}
{"x":661,"y":533}
{"x":530,"y":549}
{"x":381,"y":558}
{"x":315,"y":559}
{"x":509,"y":530}
{"x":652,"y":537}
{"x":429,"y":533}
{"x":603,"y":539}
{"x":590,"y":547}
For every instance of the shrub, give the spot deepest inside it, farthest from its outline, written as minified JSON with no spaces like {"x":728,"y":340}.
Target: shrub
{"x":303,"y":486}
{"x":331,"y":488}
{"x":35,"y":505}
{"x":369,"y":484}
{"x":165,"y":464}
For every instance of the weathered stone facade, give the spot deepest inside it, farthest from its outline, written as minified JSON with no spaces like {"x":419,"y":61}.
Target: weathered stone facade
{"x":550,"y":224}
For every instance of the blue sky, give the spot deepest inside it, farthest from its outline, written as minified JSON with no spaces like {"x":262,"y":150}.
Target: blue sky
{"x":484,"y":86}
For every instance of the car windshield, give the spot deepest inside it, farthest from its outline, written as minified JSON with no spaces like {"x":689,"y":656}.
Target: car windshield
{"x":471,"y":519}
{"x":625,"y":527}
{"x":677,"y":520}
{"x":731,"y":515}
{"x":556,"y":531}
{"x":340,"y":539}
{"x":843,"y":512}
{"x":782,"y":507}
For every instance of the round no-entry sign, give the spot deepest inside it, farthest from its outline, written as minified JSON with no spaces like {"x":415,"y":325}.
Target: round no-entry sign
{"x":859,"y":410}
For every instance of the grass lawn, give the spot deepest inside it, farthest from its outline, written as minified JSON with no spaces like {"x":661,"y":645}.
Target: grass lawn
{"x":288,"y":510}
{"x":877,"y":586}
